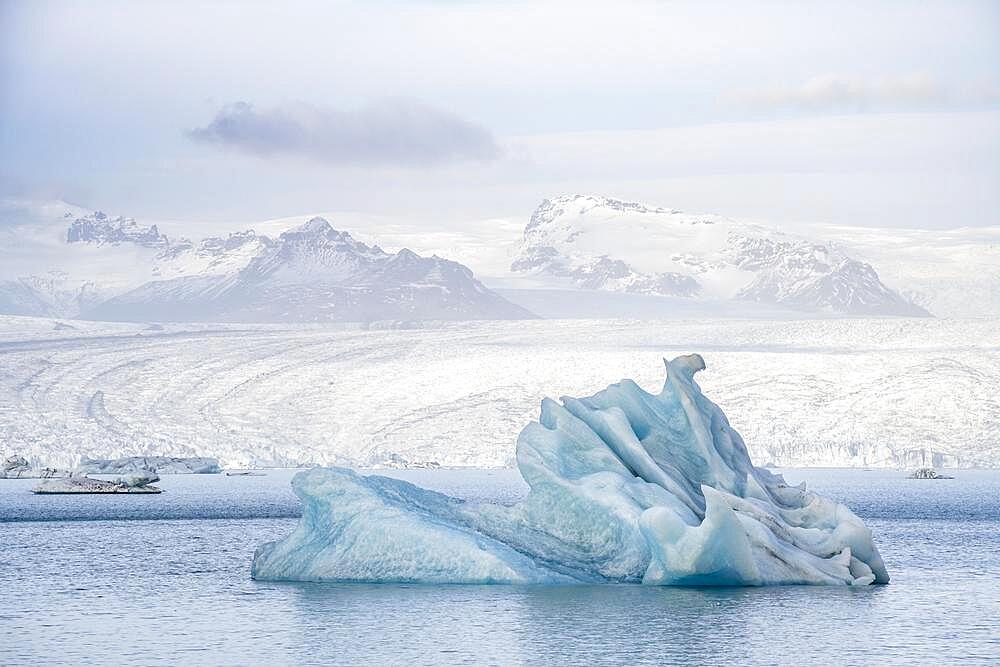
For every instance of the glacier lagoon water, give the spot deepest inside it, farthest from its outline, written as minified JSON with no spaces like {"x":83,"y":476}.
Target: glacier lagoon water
{"x":165,"y":580}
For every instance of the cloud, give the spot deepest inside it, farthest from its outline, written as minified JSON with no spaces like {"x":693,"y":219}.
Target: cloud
{"x":838,"y":93}
{"x":389,"y":133}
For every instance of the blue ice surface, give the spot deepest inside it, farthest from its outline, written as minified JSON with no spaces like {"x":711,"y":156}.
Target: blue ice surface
{"x":625,"y":486}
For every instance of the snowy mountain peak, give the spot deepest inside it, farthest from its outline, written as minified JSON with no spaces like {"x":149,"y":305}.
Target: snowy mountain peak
{"x":97,"y":228}
{"x":216,"y":244}
{"x":313,"y":227}
{"x":407,"y":255}
{"x":582,"y":204}
{"x":602,"y":243}
{"x":319,"y":233}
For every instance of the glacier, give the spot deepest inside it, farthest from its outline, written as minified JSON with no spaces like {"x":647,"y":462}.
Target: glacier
{"x":169,"y":465}
{"x":625,"y":486}
{"x":837,"y":393}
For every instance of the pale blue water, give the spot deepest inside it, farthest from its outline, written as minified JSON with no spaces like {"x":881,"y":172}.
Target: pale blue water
{"x":163,"y":579}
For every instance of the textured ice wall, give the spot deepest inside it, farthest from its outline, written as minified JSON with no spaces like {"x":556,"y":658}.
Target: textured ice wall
{"x":626,"y":486}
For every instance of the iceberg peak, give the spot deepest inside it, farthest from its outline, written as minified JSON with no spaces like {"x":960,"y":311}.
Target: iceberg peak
{"x":625,"y":486}
{"x":689,"y":364}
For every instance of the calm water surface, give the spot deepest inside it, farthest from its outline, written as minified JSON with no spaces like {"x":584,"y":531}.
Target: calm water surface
{"x":163,"y":580}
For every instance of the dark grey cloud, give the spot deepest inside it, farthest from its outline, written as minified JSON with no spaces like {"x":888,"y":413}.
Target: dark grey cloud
{"x":391,"y":132}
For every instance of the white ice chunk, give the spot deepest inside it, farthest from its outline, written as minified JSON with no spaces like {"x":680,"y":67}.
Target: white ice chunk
{"x":138,"y":478}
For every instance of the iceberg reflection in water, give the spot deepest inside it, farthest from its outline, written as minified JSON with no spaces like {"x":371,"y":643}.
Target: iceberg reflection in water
{"x":626,"y":486}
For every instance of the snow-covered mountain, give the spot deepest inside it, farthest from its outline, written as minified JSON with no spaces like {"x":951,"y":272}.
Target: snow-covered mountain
{"x":98,"y":228}
{"x":578,"y":257}
{"x":312,"y":272}
{"x":599,"y":243}
{"x":52,"y":294}
{"x":950,"y":272}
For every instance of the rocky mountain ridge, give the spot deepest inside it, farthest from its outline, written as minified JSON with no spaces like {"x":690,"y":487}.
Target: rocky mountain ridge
{"x":310,"y":273}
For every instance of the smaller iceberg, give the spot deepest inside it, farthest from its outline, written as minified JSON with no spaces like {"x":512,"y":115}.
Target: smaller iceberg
{"x":625,"y":486}
{"x":927,"y":473}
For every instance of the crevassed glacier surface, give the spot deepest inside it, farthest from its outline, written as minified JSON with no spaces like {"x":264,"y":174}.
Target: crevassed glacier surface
{"x":626,"y":486}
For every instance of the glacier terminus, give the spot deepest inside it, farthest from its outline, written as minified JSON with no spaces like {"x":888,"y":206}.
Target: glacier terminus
{"x":626,"y":486}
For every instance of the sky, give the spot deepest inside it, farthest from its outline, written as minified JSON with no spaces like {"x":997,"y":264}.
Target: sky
{"x":444,"y":113}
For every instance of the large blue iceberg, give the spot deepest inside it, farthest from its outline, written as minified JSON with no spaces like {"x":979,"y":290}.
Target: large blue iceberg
{"x":626,"y":486}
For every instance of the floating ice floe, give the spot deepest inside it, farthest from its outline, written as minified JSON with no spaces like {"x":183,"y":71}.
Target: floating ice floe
{"x":134,"y":482}
{"x":928,"y":473}
{"x":625,"y":486}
